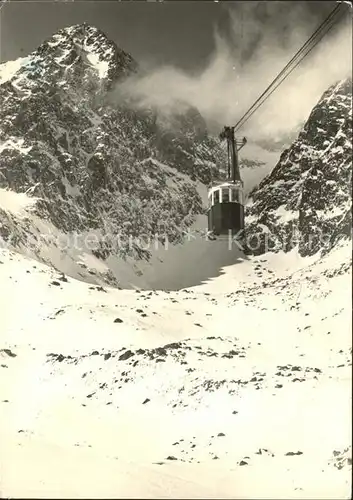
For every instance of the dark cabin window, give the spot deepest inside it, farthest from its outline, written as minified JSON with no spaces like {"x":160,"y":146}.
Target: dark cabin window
{"x":225,"y":195}
{"x":216,"y":197}
{"x":235,"y":196}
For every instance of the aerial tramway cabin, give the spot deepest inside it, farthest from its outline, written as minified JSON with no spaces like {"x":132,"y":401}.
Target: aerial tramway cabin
{"x":226,"y":200}
{"x":226,"y":208}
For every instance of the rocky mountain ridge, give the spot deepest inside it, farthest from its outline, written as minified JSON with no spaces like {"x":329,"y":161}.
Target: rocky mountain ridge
{"x":306,"y":199}
{"x":92,"y":165}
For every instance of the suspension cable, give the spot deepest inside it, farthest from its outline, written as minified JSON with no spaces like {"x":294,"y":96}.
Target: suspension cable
{"x":286,"y":76}
{"x":313,"y":37}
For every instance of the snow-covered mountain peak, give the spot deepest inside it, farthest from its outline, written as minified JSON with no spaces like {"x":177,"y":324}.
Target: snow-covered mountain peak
{"x":88,"y":44}
{"x":74,"y":56}
{"x":327,"y":116}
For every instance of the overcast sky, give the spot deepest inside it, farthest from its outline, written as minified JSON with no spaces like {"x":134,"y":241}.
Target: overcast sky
{"x":180,"y":33}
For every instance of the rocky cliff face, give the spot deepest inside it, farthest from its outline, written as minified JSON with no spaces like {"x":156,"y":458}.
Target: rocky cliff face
{"x":306,"y":200}
{"x":92,"y":165}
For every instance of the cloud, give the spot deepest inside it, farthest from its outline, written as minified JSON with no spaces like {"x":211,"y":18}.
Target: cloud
{"x":258,"y":41}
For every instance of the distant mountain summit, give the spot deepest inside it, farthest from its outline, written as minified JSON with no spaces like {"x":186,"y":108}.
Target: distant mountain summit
{"x":307,"y":198}
{"x":88,"y":51}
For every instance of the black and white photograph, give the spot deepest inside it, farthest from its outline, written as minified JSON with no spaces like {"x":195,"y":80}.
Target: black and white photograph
{"x":175,"y":249}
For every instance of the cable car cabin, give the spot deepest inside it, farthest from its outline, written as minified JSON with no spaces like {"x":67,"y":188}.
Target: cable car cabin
{"x":226,"y":208}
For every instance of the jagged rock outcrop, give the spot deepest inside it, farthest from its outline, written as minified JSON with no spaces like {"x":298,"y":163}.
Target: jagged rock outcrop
{"x":91,"y":164}
{"x":307,"y":200}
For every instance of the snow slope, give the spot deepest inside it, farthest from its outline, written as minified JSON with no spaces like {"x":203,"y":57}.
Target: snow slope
{"x":188,"y":394}
{"x":16,"y":203}
{"x":9,"y":69}
{"x":171,"y":267}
